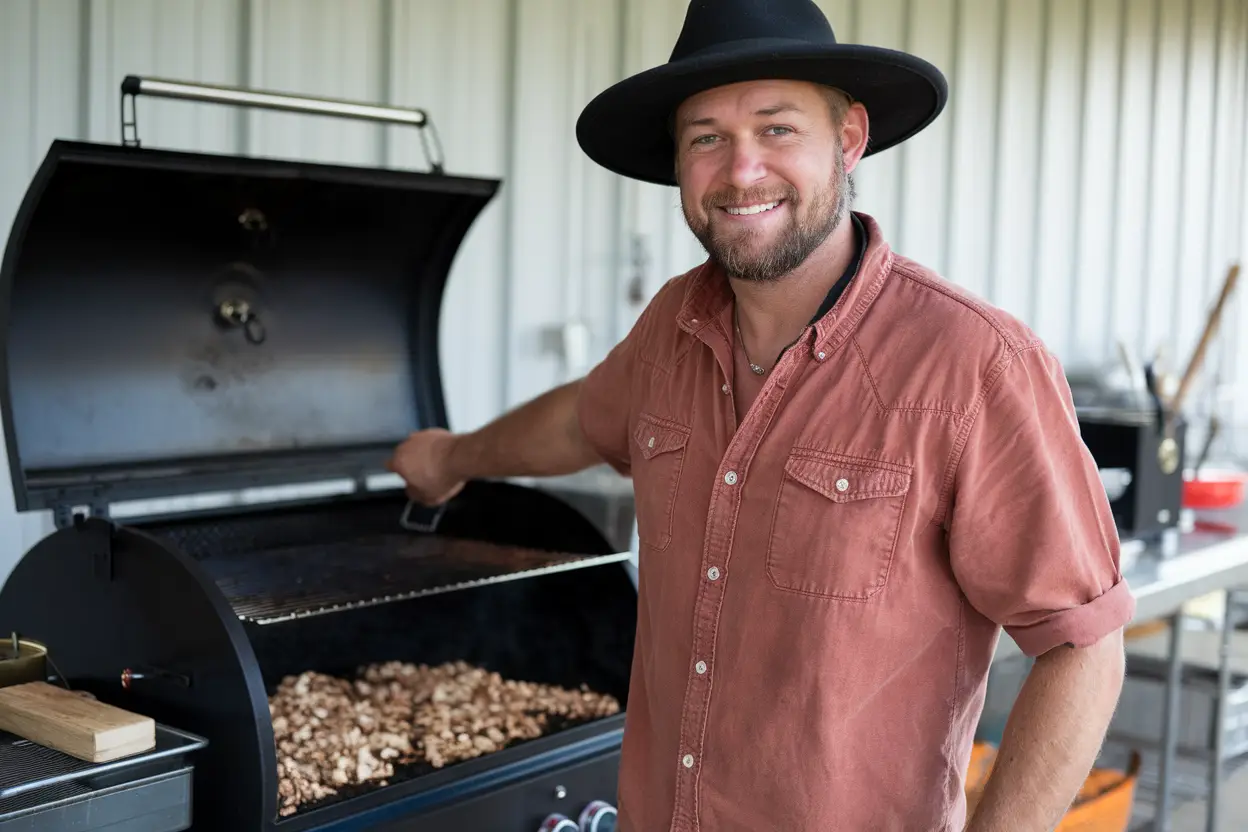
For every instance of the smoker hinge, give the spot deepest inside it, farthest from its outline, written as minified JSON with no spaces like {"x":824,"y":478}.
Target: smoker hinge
{"x":64,"y":516}
{"x":97,"y":535}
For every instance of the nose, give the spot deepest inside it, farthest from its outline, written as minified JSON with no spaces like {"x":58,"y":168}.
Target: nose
{"x":746,"y":164}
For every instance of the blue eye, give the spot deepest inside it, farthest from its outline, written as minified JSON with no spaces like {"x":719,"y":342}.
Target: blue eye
{"x":780,"y":127}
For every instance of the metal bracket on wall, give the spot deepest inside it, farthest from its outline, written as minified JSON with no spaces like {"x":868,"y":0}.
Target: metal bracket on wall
{"x":133,"y":85}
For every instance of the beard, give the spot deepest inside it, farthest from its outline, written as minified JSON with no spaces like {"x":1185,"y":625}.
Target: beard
{"x":737,"y":250}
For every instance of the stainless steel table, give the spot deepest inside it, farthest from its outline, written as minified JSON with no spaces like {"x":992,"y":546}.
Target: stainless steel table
{"x":1163,"y":579}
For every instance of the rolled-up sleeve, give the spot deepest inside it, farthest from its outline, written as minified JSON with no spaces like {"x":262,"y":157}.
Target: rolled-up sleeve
{"x":1032,"y":540}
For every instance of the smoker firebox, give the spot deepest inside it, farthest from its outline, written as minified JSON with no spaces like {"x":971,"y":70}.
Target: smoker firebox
{"x":181,"y":324}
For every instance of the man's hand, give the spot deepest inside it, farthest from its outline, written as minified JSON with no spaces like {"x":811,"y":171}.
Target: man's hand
{"x":1052,"y":737}
{"x":424,"y":460}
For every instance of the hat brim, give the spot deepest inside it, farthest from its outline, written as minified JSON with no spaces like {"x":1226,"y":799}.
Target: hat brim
{"x":625,"y":127}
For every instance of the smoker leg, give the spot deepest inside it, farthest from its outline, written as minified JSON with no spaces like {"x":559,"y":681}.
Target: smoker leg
{"x":1170,"y":723}
{"x":1219,"y":736}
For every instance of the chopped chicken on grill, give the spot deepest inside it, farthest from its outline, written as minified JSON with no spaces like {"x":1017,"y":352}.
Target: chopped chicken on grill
{"x":331,"y":732}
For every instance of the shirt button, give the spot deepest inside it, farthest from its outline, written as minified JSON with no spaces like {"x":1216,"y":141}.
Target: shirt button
{"x":724,"y":389}
{"x":842,"y":484}
{"x":650,"y":443}
{"x":821,"y":355}
{"x":700,"y":667}
{"x":688,"y":761}
{"x":713,"y":573}
{"x":731,"y":478}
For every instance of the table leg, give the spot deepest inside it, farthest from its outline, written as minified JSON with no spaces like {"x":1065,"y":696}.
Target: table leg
{"x":1170,"y":724}
{"x":1219,"y":720}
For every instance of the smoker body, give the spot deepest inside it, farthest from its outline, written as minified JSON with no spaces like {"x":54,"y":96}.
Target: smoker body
{"x":186,"y":325}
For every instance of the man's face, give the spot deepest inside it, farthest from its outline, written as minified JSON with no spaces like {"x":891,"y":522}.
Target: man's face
{"x":763,"y":174}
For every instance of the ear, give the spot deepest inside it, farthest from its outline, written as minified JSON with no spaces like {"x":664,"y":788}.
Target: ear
{"x":855,"y":129}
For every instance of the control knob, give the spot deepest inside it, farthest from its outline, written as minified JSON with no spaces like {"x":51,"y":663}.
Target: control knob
{"x":558,"y":823}
{"x":598,"y":816}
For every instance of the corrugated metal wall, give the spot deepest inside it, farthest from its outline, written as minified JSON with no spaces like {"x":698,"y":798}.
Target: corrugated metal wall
{"x":1088,"y":174}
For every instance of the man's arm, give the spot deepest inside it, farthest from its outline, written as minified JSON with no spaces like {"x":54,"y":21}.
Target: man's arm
{"x":1033,"y":545}
{"x":1052,"y":737}
{"x":540,"y":438}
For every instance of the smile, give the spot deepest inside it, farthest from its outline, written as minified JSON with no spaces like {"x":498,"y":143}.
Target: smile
{"x":761,"y":208}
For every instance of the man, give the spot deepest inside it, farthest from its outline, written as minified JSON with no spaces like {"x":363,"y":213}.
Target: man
{"x":849,"y":473}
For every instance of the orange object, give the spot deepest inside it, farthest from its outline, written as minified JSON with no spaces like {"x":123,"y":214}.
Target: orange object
{"x":1215,"y":489}
{"x":1103,"y":804}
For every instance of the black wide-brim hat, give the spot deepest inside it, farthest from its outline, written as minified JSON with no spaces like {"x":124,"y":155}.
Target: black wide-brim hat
{"x":626,"y":127}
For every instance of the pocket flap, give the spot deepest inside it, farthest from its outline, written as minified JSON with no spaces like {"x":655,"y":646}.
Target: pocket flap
{"x":844,"y":481}
{"x":654,"y":437}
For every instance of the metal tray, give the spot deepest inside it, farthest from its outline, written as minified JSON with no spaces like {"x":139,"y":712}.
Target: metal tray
{"x":41,"y":788}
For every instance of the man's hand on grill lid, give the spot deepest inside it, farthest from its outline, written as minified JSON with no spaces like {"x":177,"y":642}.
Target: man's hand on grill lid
{"x":423,"y":460}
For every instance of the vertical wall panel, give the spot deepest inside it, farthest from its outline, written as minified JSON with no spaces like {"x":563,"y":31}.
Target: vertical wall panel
{"x":924,"y":176}
{"x":1091,"y":299}
{"x":841,"y":14}
{"x":974,"y":120}
{"x":40,"y":63}
{"x":556,"y":189}
{"x":439,"y":51}
{"x":879,"y":178}
{"x":317,"y":47}
{"x":655,"y":241}
{"x":1130,"y":218}
{"x":1163,"y":175}
{"x":1022,"y":93}
{"x":1054,"y":284}
{"x":1192,"y":281}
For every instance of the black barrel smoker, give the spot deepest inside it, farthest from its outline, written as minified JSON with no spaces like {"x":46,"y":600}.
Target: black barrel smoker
{"x":239,"y":334}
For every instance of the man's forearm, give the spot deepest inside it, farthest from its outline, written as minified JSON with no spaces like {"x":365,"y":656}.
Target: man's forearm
{"x":542,"y":437}
{"x":1052,"y":738}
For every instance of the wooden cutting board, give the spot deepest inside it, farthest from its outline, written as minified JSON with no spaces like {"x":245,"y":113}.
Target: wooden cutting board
{"x":77,"y":725}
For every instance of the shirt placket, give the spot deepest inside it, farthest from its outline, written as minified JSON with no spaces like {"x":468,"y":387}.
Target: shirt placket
{"x":716,"y":561}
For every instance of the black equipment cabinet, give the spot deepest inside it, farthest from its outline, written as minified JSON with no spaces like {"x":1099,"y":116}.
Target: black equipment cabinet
{"x":181,"y":325}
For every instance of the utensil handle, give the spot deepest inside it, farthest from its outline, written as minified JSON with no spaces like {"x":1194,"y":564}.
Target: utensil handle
{"x":1211,"y":326}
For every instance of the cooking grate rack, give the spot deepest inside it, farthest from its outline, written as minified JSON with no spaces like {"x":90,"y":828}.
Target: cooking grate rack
{"x":286,"y":583}
{"x":33,"y":775}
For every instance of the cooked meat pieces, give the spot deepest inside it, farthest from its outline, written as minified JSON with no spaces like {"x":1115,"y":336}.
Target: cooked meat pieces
{"x":332,"y":732}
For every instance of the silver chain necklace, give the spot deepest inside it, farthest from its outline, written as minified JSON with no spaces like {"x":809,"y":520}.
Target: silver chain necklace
{"x":757,"y":370}
{"x":736,"y":319}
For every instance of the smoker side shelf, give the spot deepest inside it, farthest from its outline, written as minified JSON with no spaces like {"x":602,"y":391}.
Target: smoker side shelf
{"x":288,"y":583}
{"x":41,"y":788}
{"x":26,"y":766}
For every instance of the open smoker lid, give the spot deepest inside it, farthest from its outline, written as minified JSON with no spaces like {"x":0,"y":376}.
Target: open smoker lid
{"x":178,"y":323}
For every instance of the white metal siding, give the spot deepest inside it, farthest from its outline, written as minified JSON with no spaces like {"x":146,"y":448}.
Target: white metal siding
{"x":1088,"y":174}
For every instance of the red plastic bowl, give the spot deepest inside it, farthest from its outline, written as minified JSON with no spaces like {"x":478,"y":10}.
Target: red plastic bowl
{"x":1215,"y":489}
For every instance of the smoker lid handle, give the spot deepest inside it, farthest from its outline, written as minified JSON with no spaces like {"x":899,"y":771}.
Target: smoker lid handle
{"x":134,"y":85}
{"x":427,"y":520}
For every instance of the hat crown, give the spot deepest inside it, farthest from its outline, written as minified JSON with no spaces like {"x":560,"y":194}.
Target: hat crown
{"x":711,"y":24}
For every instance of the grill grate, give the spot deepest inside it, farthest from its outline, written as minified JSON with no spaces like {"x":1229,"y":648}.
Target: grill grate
{"x":25,"y":765}
{"x":34,"y":775}
{"x":286,"y":583}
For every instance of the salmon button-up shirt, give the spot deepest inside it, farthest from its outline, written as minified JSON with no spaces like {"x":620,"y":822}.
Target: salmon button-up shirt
{"x":822,"y":586}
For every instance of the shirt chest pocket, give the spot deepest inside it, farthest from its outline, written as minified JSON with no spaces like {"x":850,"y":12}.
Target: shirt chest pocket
{"x":835,"y":525}
{"x":658,"y":459}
